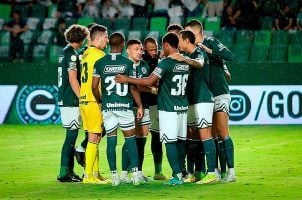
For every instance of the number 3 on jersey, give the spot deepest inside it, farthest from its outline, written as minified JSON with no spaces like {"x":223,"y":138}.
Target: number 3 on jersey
{"x":181,"y":83}
{"x":120,"y":89}
{"x":84,"y":72}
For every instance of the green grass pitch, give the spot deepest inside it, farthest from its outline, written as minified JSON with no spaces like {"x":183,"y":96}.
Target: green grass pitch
{"x":268,"y":161}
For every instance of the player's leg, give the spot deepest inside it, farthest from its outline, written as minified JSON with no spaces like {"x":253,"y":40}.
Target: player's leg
{"x":111,"y":125}
{"x":204,"y":115}
{"x":216,"y":142}
{"x":168,"y":135}
{"x":156,"y":145}
{"x":70,"y":120}
{"x":127,"y":124}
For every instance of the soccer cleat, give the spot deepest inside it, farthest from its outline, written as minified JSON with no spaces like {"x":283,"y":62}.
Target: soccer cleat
{"x":75,"y":178}
{"x":175,"y":181}
{"x":93,"y":180}
{"x":124,"y":178}
{"x":190,"y":178}
{"x":209,"y":178}
{"x":136,"y":179}
{"x":115,"y":180}
{"x":99,"y":176}
{"x":159,"y":177}
{"x":80,"y":157}
{"x":199,"y":176}
{"x":64,"y":179}
{"x":229,"y":178}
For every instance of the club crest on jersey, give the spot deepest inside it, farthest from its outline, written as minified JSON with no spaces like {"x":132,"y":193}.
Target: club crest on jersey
{"x":180,"y":68}
{"x":73,"y":58}
{"x":116,"y":69}
{"x":144,"y":70}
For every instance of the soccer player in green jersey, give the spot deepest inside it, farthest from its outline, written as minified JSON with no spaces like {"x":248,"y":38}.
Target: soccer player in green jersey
{"x":217,"y":53}
{"x":151,"y":56}
{"x":69,"y":93}
{"x":140,"y":69}
{"x":172,"y":103}
{"x":117,"y":104}
{"x":201,"y":103}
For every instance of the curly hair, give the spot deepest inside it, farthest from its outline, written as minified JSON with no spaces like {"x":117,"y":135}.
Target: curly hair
{"x":76,"y":33}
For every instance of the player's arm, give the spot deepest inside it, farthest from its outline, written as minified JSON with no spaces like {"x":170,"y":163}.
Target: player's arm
{"x":196,"y":63}
{"x":148,"y":89}
{"x":74,"y":83}
{"x":149,"y":81}
{"x":137,"y":98}
{"x":95,"y":89}
{"x":217,"y":49}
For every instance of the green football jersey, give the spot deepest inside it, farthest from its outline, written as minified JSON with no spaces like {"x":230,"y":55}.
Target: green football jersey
{"x":219,"y":84}
{"x":115,"y":96}
{"x":142,"y":70}
{"x":68,"y":60}
{"x":172,"y":85}
{"x":198,"y":88}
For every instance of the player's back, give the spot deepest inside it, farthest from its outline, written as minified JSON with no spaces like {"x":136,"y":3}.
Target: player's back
{"x":90,"y":56}
{"x":115,"y":96}
{"x":172,"y":86}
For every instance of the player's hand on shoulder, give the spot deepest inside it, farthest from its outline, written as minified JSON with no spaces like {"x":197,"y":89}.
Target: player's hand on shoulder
{"x":120,"y":78}
{"x":177,"y":56}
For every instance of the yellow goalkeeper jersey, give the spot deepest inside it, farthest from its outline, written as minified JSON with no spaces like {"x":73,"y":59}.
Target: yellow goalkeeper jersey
{"x":90,"y":56}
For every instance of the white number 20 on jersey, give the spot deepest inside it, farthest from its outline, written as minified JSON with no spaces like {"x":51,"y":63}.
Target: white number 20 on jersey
{"x":120,"y":89}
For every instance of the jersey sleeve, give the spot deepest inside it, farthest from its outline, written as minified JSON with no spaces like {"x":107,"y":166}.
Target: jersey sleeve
{"x":97,"y":68}
{"x":71,"y":61}
{"x":160,"y":69}
{"x":218,"y":49}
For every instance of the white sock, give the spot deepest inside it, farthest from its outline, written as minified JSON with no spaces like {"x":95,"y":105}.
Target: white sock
{"x":231,"y":171}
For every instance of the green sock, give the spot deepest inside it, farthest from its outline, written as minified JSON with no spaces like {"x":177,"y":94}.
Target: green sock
{"x":125,"y":158}
{"x":180,"y":144}
{"x":217,"y":152}
{"x":67,"y":152}
{"x":85,"y":141}
{"x":222,"y":157}
{"x":140,"y":143}
{"x":172,"y":156}
{"x":157,"y":151}
{"x":111,"y":151}
{"x":130,"y":143}
{"x":229,"y":151}
{"x":210,"y":152}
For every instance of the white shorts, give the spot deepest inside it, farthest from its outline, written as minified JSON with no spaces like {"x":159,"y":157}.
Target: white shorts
{"x":203,"y":114}
{"x":154,"y":126}
{"x":146,"y":118}
{"x":172,"y":126}
{"x":115,"y":119}
{"x":222,"y":103}
{"x":71,"y":118}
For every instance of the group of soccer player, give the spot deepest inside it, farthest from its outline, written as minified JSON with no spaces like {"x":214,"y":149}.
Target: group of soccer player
{"x":180,"y":95}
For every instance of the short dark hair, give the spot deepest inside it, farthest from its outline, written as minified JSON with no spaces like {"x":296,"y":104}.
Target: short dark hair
{"x":89,"y":26}
{"x":132,"y":42}
{"x":171,"y":39}
{"x":175,"y":27}
{"x":95,"y":29}
{"x":195,"y":23}
{"x":76,"y":33}
{"x":151,"y":40}
{"x":185,"y":34}
{"x":116,"y":39}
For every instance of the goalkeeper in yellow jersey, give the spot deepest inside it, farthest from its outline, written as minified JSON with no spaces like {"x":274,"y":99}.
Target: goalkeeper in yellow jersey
{"x":90,"y":109}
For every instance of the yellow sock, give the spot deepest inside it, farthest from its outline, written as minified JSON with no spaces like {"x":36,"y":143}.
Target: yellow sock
{"x":96,"y":164}
{"x":90,"y":154}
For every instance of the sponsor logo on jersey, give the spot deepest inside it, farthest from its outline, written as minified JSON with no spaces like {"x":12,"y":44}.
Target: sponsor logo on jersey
{"x":181,"y":68}
{"x":114,"y":69}
{"x":180,"y":108}
{"x":37,"y":104}
{"x":118,"y":105}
